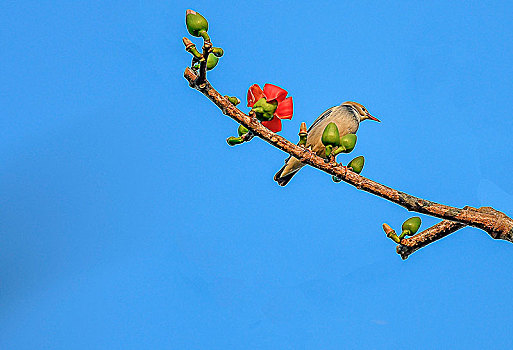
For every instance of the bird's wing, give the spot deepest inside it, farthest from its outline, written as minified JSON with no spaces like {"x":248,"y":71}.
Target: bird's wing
{"x":320,"y":118}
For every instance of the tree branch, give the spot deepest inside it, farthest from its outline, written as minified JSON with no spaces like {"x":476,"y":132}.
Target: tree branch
{"x":428,"y":236}
{"x":496,"y":224}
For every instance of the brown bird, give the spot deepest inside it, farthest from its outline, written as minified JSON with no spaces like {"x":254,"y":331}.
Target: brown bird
{"x":347,"y":117}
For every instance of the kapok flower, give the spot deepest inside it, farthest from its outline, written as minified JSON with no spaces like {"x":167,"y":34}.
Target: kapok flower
{"x":270,"y":105}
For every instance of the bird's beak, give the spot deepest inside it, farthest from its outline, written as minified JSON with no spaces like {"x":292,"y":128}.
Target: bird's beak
{"x":373,"y":118}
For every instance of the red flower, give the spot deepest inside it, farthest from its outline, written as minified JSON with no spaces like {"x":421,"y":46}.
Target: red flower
{"x":272,"y":93}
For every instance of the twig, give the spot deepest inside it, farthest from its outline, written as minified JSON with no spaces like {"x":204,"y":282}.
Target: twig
{"x":207,"y":45}
{"x":444,"y":228}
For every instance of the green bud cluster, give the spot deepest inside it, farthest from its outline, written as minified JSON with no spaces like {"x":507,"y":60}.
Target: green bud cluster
{"x":197,"y":26}
{"x":241,"y":131}
{"x":335,"y":143}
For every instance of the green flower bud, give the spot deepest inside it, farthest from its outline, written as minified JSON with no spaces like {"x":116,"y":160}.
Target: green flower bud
{"x":330,"y":136}
{"x":264,"y":111}
{"x":242,"y":130}
{"x":212,"y":62}
{"x":232,"y":140}
{"x":348,"y":142}
{"x":357,"y":164}
{"x":217,"y":51}
{"x":234,"y":100}
{"x":411,"y":225}
{"x":405,"y":233}
{"x":197,"y":25}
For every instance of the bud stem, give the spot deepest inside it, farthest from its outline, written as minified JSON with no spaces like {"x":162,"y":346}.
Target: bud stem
{"x":405,"y":233}
{"x":391,"y":233}
{"x":339,"y":150}
{"x":328,"y":150}
{"x":191,"y":48}
{"x":204,"y":35}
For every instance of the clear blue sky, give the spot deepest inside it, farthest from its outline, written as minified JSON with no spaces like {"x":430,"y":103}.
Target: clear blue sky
{"x":126,"y":222}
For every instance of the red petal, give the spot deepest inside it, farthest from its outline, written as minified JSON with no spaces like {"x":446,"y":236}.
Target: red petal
{"x":254,"y":94}
{"x":285,"y":109}
{"x":273,"y":92}
{"x":274,"y":124}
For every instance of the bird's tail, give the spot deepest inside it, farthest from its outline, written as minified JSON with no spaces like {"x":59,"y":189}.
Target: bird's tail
{"x":282,"y":181}
{"x":289,"y":169}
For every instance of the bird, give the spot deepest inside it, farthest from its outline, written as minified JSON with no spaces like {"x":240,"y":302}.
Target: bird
{"x":346,"y":116}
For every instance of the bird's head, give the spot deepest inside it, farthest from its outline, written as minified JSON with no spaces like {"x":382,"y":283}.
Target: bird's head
{"x":360,"y":110}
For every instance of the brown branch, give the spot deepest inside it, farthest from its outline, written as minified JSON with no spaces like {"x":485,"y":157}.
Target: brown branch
{"x":428,"y":236}
{"x":439,"y":231}
{"x":496,"y":224}
{"x":207,"y":45}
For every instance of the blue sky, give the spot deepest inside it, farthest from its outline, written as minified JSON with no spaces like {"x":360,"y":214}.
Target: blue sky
{"x":128,"y":223}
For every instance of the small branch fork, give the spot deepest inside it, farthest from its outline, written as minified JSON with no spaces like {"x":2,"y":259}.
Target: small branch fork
{"x":497,"y":224}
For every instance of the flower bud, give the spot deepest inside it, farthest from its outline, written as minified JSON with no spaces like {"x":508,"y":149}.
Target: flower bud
{"x":242,"y":130}
{"x":348,"y":142}
{"x":330,"y":136}
{"x":391,"y":233}
{"x":357,"y":164}
{"x":196,"y":23}
{"x":217,"y":51}
{"x":232,"y":140}
{"x":302,"y":129}
{"x":212,"y":62}
{"x":411,"y":225}
{"x":303,"y":134}
{"x":234,"y":100}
